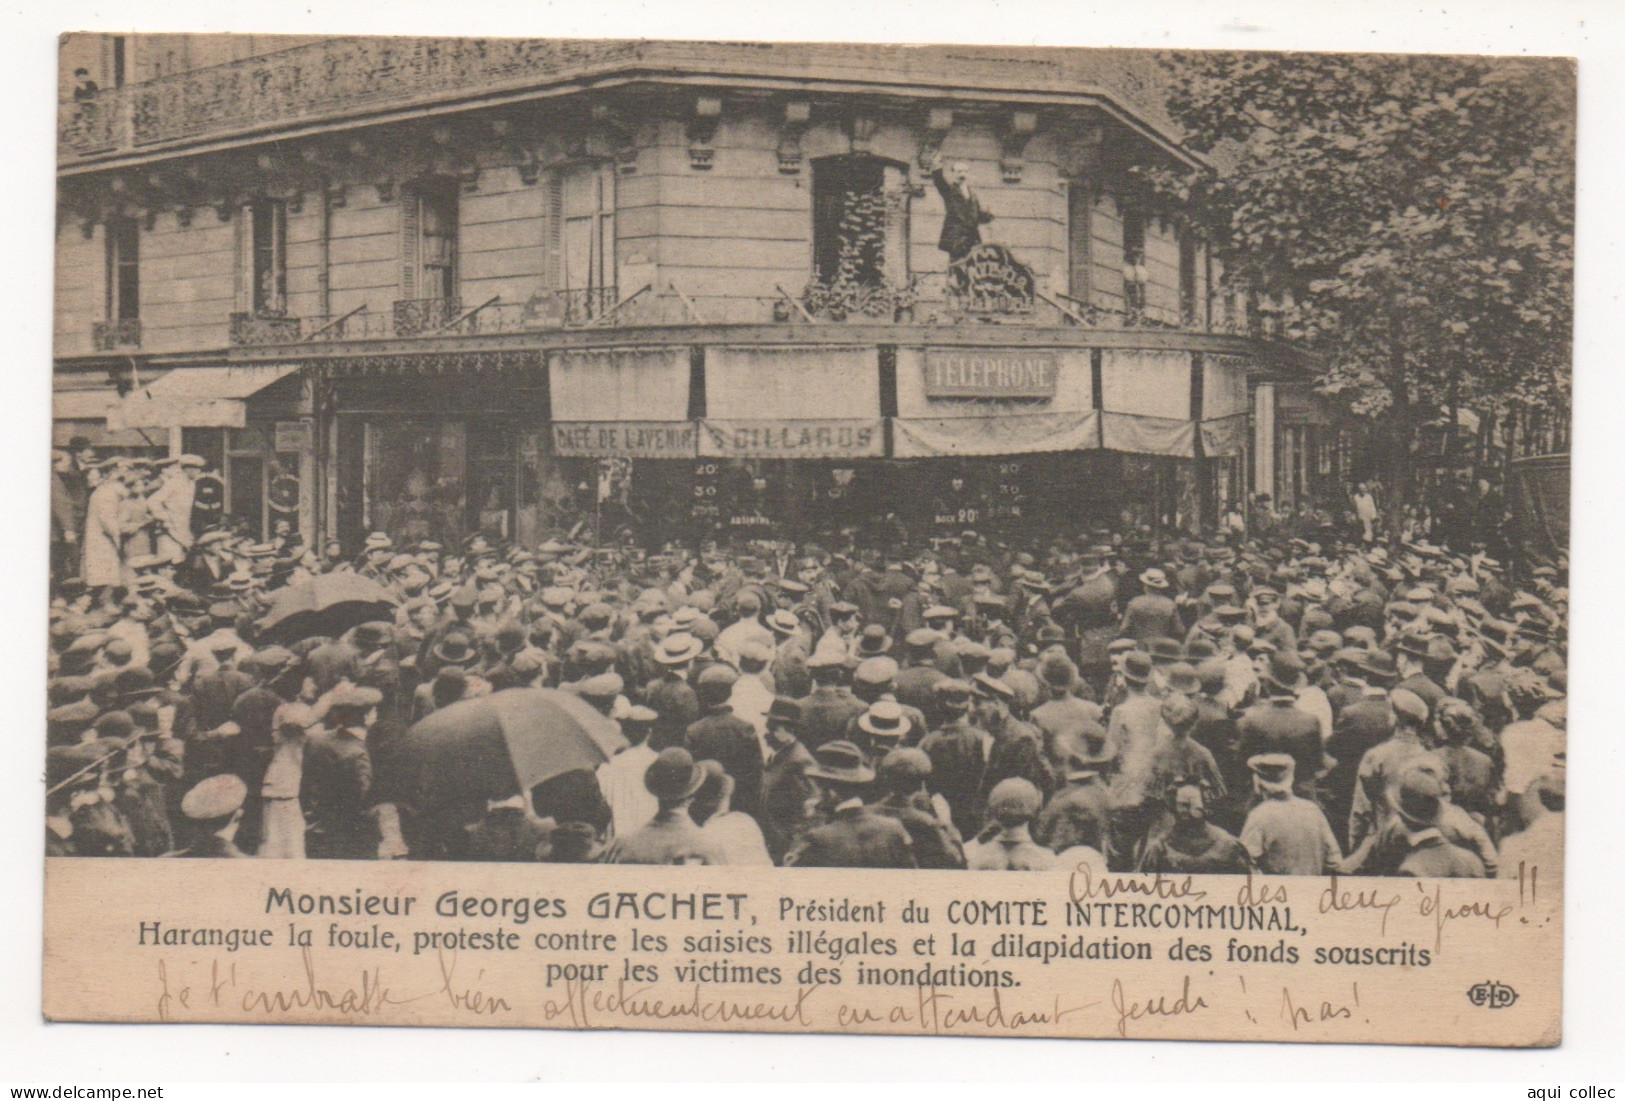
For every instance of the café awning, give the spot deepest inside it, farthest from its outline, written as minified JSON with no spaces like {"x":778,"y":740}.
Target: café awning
{"x":775,"y":402}
{"x":1226,"y":404}
{"x":630,"y":402}
{"x":993,"y":401}
{"x":196,"y":397}
{"x":1146,"y":402}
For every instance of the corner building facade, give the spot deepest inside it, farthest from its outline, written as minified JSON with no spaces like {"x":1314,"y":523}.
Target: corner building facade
{"x":434,"y":287}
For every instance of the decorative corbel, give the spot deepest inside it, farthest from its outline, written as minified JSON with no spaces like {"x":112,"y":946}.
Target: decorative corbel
{"x":1013,"y":144}
{"x":797,"y":116}
{"x":702,"y":131}
{"x":863,"y":130}
{"x":620,"y":134}
{"x":938,"y":121}
{"x":523,"y":153}
{"x":452,"y":157}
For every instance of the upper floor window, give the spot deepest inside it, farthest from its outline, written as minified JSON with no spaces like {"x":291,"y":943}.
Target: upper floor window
{"x":860,"y":221}
{"x":586,"y":227}
{"x":1134,"y":270}
{"x":268,"y":257}
{"x":1189,"y":311}
{"x":123,"y":269}
{"x":429,"y":241}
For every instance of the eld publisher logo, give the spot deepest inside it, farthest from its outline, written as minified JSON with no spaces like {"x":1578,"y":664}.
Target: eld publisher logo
{"x":1492,"y":995}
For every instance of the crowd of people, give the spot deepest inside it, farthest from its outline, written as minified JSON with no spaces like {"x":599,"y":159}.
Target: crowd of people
{"x":1292,"y":707}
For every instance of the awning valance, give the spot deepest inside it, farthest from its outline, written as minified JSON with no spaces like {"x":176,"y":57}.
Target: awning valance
{"x":197,"y":397}
{"x":630,"y":402}
{"x":1224,"y":387}
{"x":993,"y":401}
{"x":775,"y":402}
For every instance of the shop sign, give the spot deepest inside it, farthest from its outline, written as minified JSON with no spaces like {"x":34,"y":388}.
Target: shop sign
{"x":777,"y":439}
{"x":296,"y":436}
{"x":990,"y":280}
{"x":645,"y":440}
{"x":990,"y":373}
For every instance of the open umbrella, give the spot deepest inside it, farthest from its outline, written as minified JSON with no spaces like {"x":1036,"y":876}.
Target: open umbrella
{"x":493,"y":746}
{"x":328,"y":604}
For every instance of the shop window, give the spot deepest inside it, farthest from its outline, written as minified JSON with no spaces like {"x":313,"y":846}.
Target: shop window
{"x":123,"y":269}
{"x":413,"y":487}
{"x":860,"y":221}
{"x":585,"y":216}
{"x":268,"y":257}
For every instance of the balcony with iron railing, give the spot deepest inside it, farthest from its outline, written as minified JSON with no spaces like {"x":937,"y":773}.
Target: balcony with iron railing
{"x":116,"y":335}
{"x":923,"y":303}
{"x":339,"y":77}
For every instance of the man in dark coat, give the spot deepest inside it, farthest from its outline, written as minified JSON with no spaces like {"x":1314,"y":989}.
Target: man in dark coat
{"x":1153,"y":613}
{"x":903,"y":773}
{"x":671,"y":697}
{"x":786,"y":790}
{"x":721,"y":736}
{"x":1277,"y":725}
{"x":854,"y":835}
{"x":962,"y":213}
{"x":336,"y":788}
{"x":212,"y":811}
{"x":959,"y":752}
{"x":830,"y":708}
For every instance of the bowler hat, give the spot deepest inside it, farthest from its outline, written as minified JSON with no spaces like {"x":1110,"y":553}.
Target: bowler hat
{"x":1137,"y":667}
{"x":784,"y":711}
{"x":456,"y":649}
{"x":673,"y":775}
{"x":1418,"y":797}
{"x":1013,"y":801}
{"x":904,"y":768}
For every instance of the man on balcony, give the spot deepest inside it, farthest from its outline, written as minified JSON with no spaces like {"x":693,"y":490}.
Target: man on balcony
{"x":962,"y":213}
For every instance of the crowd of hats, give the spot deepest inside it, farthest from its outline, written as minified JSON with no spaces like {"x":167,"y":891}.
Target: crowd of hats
{"x":1005,"y":627}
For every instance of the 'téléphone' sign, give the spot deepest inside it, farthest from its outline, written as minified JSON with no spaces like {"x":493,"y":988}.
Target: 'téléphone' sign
{"x":990,"y":373}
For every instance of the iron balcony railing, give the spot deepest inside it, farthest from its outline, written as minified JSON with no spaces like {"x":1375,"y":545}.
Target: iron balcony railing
{"x":921,"y":300}
{"x":116,"y":335}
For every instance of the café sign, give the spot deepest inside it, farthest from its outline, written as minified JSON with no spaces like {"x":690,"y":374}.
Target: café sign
{"x":628,"y":439}
{"x":990,"y":373}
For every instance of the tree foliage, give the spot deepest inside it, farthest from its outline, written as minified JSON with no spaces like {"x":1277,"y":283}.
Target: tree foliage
{"x":1411,"y":218}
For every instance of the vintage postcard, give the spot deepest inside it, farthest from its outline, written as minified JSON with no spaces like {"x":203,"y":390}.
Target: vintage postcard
{"x":809,"y":537}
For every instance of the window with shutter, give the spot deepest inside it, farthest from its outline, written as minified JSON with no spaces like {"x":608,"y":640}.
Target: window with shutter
{"x":585,"y":229}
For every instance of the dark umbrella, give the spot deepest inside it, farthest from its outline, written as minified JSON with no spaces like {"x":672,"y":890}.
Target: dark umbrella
{"x":327,"y":605}
{"x":493,"y":746}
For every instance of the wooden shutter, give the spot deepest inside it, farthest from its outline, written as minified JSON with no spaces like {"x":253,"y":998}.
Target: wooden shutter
{"x":410,"y":235}
{"x":1079,"y":231}
{"x":243,"y":242}
{"x":552,"y":231}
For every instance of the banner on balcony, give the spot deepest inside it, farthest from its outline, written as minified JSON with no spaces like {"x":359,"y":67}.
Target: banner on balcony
{"x":1148,"y":435}
{"x":625,"y":439}
{"x":632,"y":386}
{"x":792,"y":384}
{"x":793,"y":439}
{"x":1225,"y":436}
{"x":1003,"y":434}
{"x":1146,"y":382}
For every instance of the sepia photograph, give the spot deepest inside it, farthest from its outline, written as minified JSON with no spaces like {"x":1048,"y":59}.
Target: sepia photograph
{"x":671,"y":457}
{"x":871,"y":456}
